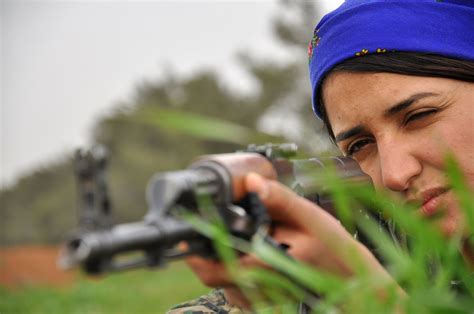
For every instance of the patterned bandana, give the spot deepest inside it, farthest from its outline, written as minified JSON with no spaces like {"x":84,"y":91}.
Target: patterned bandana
{"x":360,"y":27}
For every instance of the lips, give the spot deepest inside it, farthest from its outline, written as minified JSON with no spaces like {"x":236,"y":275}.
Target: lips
{"x":431,"y":201}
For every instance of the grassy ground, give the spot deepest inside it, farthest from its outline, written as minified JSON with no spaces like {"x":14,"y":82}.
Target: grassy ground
{"x":142,"y":291}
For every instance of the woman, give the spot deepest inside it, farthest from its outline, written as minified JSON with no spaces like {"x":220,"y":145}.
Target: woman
{"x":394,"y":83}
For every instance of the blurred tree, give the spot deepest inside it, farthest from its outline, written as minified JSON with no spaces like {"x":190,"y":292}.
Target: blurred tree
{"x":169,"y":122}
{"x":285,"y":90}
{"x":38,"y":209}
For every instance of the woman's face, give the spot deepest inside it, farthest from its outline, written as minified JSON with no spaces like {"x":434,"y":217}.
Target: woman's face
{"x":400,"y":129}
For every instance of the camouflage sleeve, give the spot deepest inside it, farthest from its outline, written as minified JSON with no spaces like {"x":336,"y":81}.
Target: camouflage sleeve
{"x":213,"y":302}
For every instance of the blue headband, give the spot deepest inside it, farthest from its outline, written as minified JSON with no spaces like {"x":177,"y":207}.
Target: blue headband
{"x":360,"y":27}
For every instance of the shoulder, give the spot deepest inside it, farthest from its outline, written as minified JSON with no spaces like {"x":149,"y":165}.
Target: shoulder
{"x":213,"y":302}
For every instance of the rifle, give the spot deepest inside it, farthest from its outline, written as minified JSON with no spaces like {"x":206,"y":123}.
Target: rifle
{"x":101,"y":247}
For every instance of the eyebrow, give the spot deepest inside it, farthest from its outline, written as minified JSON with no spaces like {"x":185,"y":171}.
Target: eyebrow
{"x":398,"y":107}
{"x":402,"y":105}
{"x":350,"y":133}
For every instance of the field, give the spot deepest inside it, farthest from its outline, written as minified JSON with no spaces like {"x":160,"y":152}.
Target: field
{"x":30,"y":283}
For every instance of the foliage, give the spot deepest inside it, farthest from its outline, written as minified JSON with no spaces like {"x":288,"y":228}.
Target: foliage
{"x":37,"y":208}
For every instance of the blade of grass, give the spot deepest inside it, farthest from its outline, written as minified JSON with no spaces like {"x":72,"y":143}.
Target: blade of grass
{"x":196,"y":125}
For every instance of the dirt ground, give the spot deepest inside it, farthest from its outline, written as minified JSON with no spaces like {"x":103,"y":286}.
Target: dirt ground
{"x":30,"y":266}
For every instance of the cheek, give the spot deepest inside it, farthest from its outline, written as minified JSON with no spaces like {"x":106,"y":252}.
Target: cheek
{"x":465,"y":158}
{"x":461,"y":145}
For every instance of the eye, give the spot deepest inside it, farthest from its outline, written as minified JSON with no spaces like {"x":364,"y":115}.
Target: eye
{"x":418,"y":115}
{"x":356,"y":146}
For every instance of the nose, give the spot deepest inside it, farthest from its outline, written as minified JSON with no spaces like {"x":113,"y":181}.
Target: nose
{"x":398,"y":164}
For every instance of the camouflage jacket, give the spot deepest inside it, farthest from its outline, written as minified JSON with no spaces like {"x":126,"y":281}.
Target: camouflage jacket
{"x":213,"y":302}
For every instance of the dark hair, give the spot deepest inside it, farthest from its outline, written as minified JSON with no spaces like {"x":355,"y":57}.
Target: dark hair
{"x":407,"y":63}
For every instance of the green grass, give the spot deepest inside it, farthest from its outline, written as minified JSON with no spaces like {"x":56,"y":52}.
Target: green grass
{"x":142,"y":291}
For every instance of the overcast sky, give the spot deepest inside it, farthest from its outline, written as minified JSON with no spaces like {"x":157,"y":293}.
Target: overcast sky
{"x":65,"y":63}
